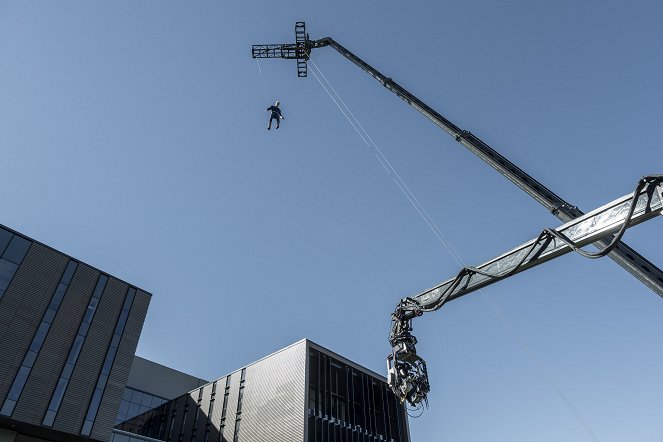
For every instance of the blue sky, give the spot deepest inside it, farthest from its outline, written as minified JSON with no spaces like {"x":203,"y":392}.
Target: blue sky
{"x":133,"y":136}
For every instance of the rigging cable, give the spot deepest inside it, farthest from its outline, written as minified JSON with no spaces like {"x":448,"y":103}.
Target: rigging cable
{"x":356,"y":125}
{"x":262,"y":80}
{"x":270,"y":97}
{"x":373,"y":147}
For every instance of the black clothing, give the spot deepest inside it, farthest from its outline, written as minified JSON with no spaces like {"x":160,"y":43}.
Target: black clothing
{"x":276,"y":115}
{"x":275,"y":110}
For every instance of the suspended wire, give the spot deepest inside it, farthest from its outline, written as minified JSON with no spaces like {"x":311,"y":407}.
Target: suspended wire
{"x":363,"y":134}
{"x":373,"y":147}
{"x":269,"y":96}
{"x":538,"y":363}
{"x":262,"y":80}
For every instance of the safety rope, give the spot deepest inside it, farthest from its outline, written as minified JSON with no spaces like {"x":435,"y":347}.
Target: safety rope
{"x":382,"y":159}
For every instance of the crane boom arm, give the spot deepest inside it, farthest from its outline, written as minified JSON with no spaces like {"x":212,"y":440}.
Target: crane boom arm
{"x":406,"y":370}
{"x":574,"y":234}
{"x":645,"y":271}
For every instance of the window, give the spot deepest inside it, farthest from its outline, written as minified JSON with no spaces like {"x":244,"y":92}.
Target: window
{"x":237,"y":426}
{"x":5,"y":237}
{"x":225,"y":401}
{"x":12,"y":251}
{"x":16,"y":250}
{"x":313,"y":380}
{"x":133,"y":403}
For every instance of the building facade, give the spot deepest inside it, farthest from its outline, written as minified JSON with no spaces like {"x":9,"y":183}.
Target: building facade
{"x":68,"y":334}
{"x":303,"y":392}
{"x":150,"y":385}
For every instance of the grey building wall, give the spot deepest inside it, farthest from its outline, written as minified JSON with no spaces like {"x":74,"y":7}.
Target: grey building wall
{"x":43,"y":310}
{"x":159,"y":380}
{"x":281,"y":400}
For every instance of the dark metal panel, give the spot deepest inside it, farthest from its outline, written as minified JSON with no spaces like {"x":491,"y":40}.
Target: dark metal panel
{"x":23,"y":306}
{"x":84,"y":378}
{"x":45,"y":374}
{"x":191,"y":407}
{"x":119,"y":374}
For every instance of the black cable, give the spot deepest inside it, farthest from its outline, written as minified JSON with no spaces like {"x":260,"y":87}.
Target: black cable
{"x":542,"y":242}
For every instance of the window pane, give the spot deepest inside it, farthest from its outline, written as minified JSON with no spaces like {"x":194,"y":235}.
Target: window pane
{"x":7,"y":268}
{"x":69,"y":272}
{"x":87,"y":428}
{"x":137,"y":397}
{"x":76,"y":349}
{"x":5,"y":236}
{"x":8,"y":407}
{"x":19,"y":382}
{"x":59,"y":294}
{"x":124,"y":407}
{"x":156,"y":401}
{"x":68,"y":370}
{"x":147,"y":400}
{"x":127,"y":394}
{"x":92,"y":306}
{"x":49,"y":418}
{"x":58,"y":395}
{"x":16,"y":249}
{"x":29,"y":359}
{"x":48,"y":317}
{"x":38,"y":340}
{"x":134,"y":408}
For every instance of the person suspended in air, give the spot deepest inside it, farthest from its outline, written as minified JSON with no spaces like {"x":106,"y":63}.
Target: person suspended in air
{"x":276,"y":115}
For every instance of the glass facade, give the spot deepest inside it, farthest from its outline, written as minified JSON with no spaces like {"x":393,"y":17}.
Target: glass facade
{"x":12,"y":251}
{"x":345,"y":404}
{"x":135,"y":402}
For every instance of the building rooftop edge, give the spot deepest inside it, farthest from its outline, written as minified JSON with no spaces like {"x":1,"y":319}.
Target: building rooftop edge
{"x":204,"y":381}
{"x":308,"y":342}
{"x":74,"y":258}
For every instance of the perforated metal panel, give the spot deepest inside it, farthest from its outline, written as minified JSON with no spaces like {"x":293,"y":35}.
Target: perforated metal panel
{"x":274,"y":398}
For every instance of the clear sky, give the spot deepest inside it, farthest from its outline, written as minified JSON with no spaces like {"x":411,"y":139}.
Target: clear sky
{"x":133,"y":137}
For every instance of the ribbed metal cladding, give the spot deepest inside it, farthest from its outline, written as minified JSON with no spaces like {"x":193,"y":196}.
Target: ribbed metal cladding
{"x":215,"y":420}
{"x":84,"y":378}
{"x":273,"y":405}
{"x":202,"y":423}
{"x":23,"y":306}
{"x":36,"y":395}
{"x":110,"y":402}
{"x":231,"y":412}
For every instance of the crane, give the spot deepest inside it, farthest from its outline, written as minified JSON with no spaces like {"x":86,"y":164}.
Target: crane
{"x":407,"y":371}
